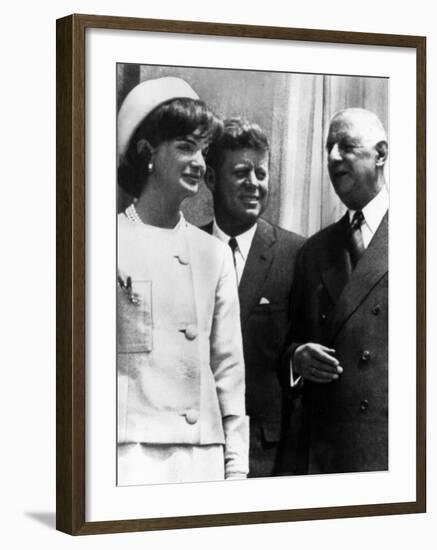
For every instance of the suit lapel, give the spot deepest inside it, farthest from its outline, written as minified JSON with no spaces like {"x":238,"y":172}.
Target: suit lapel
{"x":256,"y":268}
{"x":334,"y":261}
{"x":372,"y":266}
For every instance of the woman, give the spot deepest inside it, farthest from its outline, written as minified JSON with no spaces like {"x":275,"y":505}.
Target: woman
{"x":181,"y":413}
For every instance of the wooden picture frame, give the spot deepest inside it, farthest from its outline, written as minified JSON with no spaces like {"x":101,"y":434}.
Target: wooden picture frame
{"x":71,"y":273}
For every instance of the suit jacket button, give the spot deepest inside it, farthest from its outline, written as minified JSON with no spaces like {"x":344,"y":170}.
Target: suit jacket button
{"x":191,"y":416}
{"x":323,"y":317}
{"x":376,"y":310}
{"x":364,"y":405}
{"x":365,"y":356}
{"x":191,"y":332}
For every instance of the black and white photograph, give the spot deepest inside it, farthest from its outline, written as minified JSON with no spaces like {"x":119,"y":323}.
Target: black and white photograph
{"x":218,"y":275}
{"x":232,"y":348}
{"x":252,"y":274}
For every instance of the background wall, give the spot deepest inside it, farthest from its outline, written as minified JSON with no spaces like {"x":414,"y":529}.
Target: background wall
{"x":27,"y":289}
{"x":294,"y":110}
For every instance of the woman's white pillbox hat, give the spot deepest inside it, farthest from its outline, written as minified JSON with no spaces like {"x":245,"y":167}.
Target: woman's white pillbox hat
{"x":141,"y":101}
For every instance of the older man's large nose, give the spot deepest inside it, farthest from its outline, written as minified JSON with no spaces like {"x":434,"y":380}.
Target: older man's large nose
{"x":334,"y":154}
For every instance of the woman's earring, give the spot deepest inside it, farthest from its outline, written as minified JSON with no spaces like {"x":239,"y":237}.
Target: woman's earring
{"x":150,"y":167}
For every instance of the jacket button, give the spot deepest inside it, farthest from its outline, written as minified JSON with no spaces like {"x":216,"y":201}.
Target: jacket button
{"x":376,"y":310}
{"x":364,"y":405}
{"x":365,"y":356}
{"x":191,"y":332}
{"x":191,"y":416}
{"x":323,"y":317}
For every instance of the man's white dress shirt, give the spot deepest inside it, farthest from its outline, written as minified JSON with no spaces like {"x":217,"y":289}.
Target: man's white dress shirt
{"x":244,"y":242}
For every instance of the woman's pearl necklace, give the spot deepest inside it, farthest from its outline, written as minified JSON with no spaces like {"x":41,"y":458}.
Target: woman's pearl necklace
{"x":132,"y":214}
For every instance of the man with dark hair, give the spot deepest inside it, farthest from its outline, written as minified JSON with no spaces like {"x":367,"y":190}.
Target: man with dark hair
{"x":339,"y":343}
{"x":264,"y":256}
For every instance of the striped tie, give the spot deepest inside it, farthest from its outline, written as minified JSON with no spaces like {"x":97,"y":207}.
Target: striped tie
{"x":356,"y":238}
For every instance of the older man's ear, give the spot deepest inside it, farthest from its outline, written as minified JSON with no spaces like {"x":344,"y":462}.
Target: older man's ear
{"x":382,"y":150}
{"x":210,"y":179}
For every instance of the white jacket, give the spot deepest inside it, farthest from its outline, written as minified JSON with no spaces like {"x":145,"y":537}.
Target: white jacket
{"x":179,"y":351}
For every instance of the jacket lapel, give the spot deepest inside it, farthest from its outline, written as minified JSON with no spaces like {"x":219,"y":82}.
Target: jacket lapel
{"x":372,"y":266}
{"x":256,"y":268}
{"x":334,"y":261}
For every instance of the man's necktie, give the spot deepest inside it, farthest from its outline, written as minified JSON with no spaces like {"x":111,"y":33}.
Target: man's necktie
{"x":233,"y":246}
{"x":356,"y":238}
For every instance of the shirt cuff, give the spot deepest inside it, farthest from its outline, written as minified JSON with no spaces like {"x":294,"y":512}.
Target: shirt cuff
{"x":236,"y":430}
{"x":294,"y":381}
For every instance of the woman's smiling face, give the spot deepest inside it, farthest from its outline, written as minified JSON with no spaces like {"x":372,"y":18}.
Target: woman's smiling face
{"x":179,"y":165}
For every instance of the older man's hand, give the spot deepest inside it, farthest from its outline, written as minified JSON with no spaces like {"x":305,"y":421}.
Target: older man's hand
{"x":316,"y":363}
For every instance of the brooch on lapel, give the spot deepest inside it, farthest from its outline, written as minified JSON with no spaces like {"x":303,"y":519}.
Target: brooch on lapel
{"x":126,"y":286}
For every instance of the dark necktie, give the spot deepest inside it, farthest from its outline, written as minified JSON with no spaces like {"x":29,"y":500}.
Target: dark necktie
{"x":356,"y":238}
{"x":233,"y":246}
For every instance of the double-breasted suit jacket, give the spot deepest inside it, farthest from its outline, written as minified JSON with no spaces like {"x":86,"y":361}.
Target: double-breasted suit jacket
{"x":345,"y":425}
{"x":265,"y":294}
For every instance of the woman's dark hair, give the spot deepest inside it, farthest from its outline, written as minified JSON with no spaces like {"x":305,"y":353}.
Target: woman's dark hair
{"x":173,"y":119}
{"x":237,"y":134}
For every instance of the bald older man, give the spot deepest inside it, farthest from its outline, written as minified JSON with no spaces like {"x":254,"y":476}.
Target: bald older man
{"x":339,"y":343}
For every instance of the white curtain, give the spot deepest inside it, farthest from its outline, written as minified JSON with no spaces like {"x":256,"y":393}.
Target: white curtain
{"x":307,"y":200}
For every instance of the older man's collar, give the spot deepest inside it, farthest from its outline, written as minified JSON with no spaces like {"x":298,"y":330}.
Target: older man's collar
{"x":375,"y":210}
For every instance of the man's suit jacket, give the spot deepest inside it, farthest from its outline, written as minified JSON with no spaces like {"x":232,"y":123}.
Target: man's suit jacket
{"x":267,"y":274}
{"x":345,"y":425}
